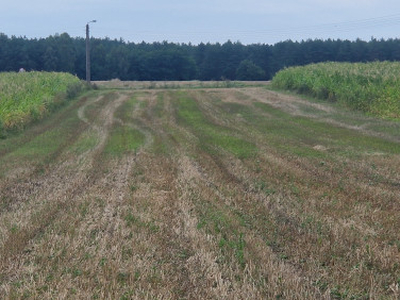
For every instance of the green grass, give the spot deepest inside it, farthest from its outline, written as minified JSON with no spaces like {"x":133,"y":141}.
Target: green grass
{"x":225,"y":223}
{"x":42,"y":143}
{"x":124,"y":138}
{"x":298,"y":135}
{"x":158,"y":110}
{"x":373,"y":88}
{"x":87,"y":141}
{"x":211,"y":135}
{"x":29,"y":96}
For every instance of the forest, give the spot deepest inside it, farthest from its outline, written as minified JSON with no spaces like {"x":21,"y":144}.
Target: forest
{"x":113,"y":58}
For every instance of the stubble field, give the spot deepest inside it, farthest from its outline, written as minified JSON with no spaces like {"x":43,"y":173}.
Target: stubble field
{"x":200,"y":192}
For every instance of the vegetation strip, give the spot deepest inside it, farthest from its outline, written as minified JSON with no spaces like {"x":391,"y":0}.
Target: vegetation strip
{"x":29,"y":96}
{"x":373,"y":88}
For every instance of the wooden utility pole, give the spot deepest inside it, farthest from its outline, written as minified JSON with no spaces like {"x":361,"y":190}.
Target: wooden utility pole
{"x":88,"y":51}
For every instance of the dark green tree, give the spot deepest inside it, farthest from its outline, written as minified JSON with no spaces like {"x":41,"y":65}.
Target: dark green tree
{"x":248,"y":70}
{"x":169,"y":61}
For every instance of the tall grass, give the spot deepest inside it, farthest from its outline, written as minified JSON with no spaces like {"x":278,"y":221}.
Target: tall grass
{"x":28,"y":96}
{"x":373,"y":88}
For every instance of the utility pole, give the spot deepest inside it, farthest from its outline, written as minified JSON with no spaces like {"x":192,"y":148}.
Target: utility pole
{"x":88,"y":51}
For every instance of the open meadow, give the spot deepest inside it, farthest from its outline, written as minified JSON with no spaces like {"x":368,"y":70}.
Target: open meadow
{"x":200,"y":192}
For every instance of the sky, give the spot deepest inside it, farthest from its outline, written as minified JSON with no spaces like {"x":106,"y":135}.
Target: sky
{"x":196,"y":21}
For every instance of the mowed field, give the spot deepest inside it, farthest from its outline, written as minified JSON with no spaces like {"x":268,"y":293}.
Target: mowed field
{"x":200,"y":192}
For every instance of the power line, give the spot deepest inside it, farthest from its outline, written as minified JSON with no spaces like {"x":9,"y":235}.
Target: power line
{"x":270,"y":31}
{"x":306,"y":30}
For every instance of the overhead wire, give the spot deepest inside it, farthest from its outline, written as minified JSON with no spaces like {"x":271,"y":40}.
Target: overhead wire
{"x":324,"y":29}
{"x":331,"y":29}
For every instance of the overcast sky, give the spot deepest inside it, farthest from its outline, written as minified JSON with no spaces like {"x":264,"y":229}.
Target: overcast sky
{"x":195,"y":21}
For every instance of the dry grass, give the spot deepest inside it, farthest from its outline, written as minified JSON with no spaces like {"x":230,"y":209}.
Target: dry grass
{"x":194,"y":84}
{"x":306,"y":216}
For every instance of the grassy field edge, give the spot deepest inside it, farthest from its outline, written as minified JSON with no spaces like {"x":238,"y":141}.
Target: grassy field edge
{"x":373,"y":88}
{"x":31,"y":96}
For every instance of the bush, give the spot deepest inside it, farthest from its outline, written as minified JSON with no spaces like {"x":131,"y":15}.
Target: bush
{"x":247,"y":70}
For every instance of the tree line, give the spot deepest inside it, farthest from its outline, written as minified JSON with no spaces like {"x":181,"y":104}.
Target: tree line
{"x":111,"y":59}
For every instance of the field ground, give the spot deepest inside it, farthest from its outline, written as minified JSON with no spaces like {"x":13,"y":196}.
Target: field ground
{"x":177,"y":192}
